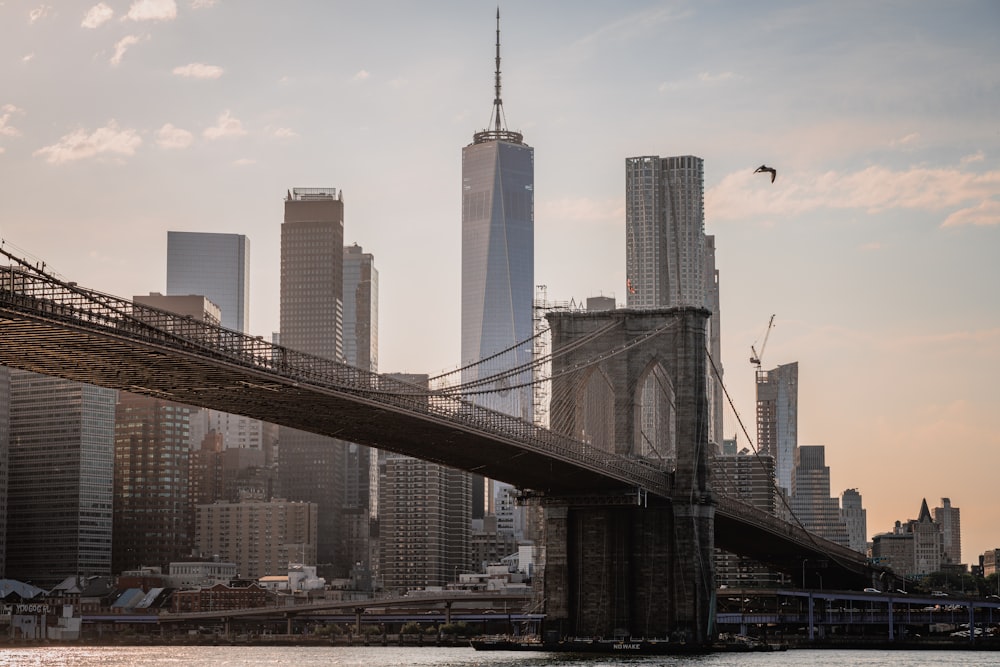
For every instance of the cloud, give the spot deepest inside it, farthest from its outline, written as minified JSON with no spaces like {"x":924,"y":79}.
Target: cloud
{"x":871,"y":246}
{"x":285,"y":133}
{"x":79,"y":145}
{"x":361,"y":75}
{"x":708,"y":77}
{"x":875,"y":189}
{"x":907,"y":140}
{"x":199,"y":71}
{"x":97,"y":16}
{"x":244,"y":162}
{"x":7,"y":130}
{"x":986,"y":214}
{"x":978,"y":156}
{"x":581,"y":210}
{"x":227,"y":126}
{"x":121,"y":47}
{"x":171,"y":137}
{"x":39,"y":13}
{"x":152,"y":10}
{"x":203,"y":4}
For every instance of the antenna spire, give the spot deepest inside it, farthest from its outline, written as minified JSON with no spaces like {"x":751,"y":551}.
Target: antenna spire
{"x":497,"y":128}
{"x":497,"y":100}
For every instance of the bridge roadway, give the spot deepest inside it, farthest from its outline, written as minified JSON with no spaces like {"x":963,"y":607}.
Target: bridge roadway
{"x":60,"y":329}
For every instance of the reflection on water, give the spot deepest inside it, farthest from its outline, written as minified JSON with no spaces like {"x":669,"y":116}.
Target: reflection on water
{"x":265,"y":656}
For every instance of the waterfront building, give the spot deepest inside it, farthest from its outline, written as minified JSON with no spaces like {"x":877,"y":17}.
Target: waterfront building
{"x":778,"y":419}
{"x":199,"y":574}
{"x":854,"y":516}
{"x":61,"y":483}
{"x":311,"y":467}
{"x":261,"y":537}
{"x":950,"y":520}
{"x":811,"y":502}
{"x":928,"y":544}
{"x":216,"y":266}
{"x":219,"y":597}
{"x":670,"y":262}
{"x":991,"y":564}
{"x":151,"y":524}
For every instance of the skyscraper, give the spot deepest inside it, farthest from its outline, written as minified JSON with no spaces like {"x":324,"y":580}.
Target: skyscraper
{"x":811,"y":502}
{"x":498,"y":260}
{"x":669,"y":261}
{"x":151,"y":519}
{"x":778,"y":419}
{"x":498,"y":252}
{"x":855,"y":517}
{"x":311,"y":467}
{"x":950,"y":520}
{"x":61,"y":479}
{"x":361,"y":351}
{"x":216,"y":266}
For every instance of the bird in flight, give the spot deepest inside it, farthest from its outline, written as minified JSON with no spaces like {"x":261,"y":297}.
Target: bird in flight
{"x":762,"y":168}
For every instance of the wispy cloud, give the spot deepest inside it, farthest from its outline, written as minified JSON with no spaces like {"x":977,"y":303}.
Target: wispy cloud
{"x":6,"y":129}
{"x":244,"y":162}
{"x":985,"y":214}
{"x":170,"y":137}
{"x":39,"y":13}
{"x":285,"y":133}
{"x":361,"y":75}
{"x":874,"y":189}
{"x":79,"y":144}
{"x":27,"y":58}
{"x":978,"y":156}
{"x":199,"y":71}
{"x":97,"y":15}
{"x":226,"y":126}
{"x":152,"y":10}
{"x":905,"y":141}
{"x":122,"y":46}
{"x":582,"y":210}
{"x":203,"y":4}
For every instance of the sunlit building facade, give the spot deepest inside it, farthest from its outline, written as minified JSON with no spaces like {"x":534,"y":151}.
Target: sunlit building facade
{"x":778,"y":419}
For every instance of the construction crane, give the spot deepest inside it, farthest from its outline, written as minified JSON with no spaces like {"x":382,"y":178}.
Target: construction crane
{"x":756,"y":356}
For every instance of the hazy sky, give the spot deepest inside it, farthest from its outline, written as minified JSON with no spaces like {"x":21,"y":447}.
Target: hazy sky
{"x":876,"y":247}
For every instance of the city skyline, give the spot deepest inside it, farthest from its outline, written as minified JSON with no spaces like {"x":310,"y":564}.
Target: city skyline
{"x":872,"y":246}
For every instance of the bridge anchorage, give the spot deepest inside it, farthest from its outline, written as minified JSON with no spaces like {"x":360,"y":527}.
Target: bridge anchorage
{"x":621,"y":479}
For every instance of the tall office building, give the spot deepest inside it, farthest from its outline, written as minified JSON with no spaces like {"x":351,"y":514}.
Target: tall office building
{"x":360,"y":350}
{"x":778,"y":419}
{"x":216,"y":266}
{"x":950,"y":520}
{"x":61,"y":481}
{"x":311,"y":467}
{"x":151,"y":523}
{"x":855,"y":517}
{"x":4,"y":449}
{"x":669,"y":261}
{"x":811,"y":503}
{"x":498,"y":260}
{"x":498,"y":251}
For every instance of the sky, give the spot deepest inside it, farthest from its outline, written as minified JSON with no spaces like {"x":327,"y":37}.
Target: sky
{"x":875,"y":248}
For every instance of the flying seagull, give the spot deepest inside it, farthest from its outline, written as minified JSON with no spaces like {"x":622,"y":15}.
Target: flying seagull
{"x":762,"y":168}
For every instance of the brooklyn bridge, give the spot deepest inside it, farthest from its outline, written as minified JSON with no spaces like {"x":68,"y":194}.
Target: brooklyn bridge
{"x":630,"y":529}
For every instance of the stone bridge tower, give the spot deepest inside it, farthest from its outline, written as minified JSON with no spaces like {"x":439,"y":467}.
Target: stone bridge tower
{"x":633,"y":382}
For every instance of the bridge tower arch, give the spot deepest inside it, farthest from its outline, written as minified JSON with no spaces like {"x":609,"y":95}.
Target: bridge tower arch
{"x":632,"y":564}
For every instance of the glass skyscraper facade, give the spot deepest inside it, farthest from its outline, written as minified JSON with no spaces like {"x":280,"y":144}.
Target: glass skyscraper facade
{"x":216,"y":266}
{"x":498,"y":258}
{"x":61,"y":479}
{"x":778,"y":419}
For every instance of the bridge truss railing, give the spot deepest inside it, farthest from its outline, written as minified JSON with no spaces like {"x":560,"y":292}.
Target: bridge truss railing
{"x":41,"y":295}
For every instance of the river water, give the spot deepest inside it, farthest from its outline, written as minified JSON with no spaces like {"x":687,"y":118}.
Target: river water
{"x":264,"y":656}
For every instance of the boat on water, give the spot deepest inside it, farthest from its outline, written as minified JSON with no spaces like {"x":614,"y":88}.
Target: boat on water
{"x":635,"y":646}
